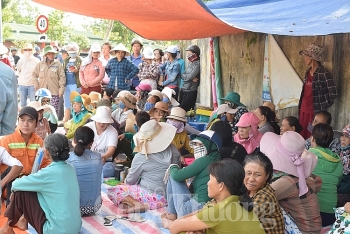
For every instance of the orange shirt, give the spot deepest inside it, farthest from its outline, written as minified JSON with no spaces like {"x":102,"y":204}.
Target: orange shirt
{"x":17,"y":148}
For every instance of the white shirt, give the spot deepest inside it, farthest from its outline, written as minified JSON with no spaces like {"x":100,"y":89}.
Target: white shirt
{"x":106,"y":139}
{"x":25,"y":68}
{"x":7,"y":159}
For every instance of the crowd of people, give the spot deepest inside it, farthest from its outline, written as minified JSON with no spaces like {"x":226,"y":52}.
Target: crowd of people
{"x":248,"y":172}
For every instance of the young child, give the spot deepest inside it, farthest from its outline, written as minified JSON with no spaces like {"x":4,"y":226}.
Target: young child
{"x":344,"y":185}
{"x":43,"y":127}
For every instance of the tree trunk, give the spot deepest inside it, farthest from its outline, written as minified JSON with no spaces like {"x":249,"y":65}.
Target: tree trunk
{"x":108,"y":31}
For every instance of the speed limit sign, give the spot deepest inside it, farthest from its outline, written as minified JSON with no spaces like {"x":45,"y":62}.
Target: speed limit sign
{"x":42,"y":23}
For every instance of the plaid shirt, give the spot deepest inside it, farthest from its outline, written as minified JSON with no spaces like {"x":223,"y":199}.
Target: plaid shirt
{"x":323,"y":89}
{"x":122,"y":71}
{"x":334,"y":146}
{"x":149,"y":71}
{"x":268,"y":210}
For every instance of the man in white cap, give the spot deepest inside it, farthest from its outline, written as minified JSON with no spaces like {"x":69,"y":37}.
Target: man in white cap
{"x":25,"y":67}
{"x":135,"y":58}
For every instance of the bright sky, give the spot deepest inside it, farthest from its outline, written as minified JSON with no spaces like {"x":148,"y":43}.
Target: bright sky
{"x":78,"y":20}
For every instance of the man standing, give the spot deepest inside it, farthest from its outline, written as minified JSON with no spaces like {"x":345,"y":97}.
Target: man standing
{"x":136,"y":59}
{"x":105,"y":57}
{"x":8,"y":100}
{"x":49,"y":74}
{"x":25,"y":67}
{"x":14,"y":55}
{"x":23,"y":144}
{"x":37,"y":52}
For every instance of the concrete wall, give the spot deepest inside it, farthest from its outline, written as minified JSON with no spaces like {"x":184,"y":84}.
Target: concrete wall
{"x":242,"y":56}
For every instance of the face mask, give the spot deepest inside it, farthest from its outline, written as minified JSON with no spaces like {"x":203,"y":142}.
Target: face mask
{"x":121,"y":105}
{"x":178,"y":125}
{"x":27,"y":54}
{"x":148,"y":106}
{"x":223,"y":118}
{"x":193,"y":57}
{"x":165,"y":99}
{"x":73,"y":55}
{"x":199,"y":151}
{"x":136,"y":128}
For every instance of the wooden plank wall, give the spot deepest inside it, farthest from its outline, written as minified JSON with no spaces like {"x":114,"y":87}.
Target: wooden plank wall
{"x":242,"y":68}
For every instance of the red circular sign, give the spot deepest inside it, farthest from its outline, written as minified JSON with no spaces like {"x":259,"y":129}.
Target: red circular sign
{"x":42,"y":23}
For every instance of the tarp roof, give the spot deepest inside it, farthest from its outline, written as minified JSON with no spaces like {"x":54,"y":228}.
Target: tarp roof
{"x":152,"y":19}
{"x":285,"y":17}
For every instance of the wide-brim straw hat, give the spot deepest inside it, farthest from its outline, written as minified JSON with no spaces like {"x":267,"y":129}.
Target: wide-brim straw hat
{"x":37,"y":105}
{"x":103,"y":115}
{"x":177,"y":113}
{"x":154,"y":137}
{"x":27,"y":46}
{"x":225,"y":108}
{"x":129,"y":100}
{"x":94,"y":96}
{"x":84,"y":97}
{"x":314,"y":51}
{"x":119,"y":47}
{"x":169,"y":93}
{"x":161,"y":106}
{"x":157,"y":93}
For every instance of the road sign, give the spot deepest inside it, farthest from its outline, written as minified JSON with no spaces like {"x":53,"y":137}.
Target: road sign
{"x":43,"y":38}
{"x":42,"y":23}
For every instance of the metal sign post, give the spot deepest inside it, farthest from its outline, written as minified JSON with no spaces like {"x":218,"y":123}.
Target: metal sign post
{"x":42,"y":24}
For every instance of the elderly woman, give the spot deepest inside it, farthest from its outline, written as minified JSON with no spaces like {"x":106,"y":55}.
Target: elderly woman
{"x":81,"y":112}
{"x":44,"y":196}
{"x":258,"y":174}
{"x":290,"y":123}
{"x":183,"y":200}
{"x":106,"y":136}
{"x":329,"y":167}
{"x":144,"y":187}
{"x":319,"y":90}
{"x":88,"y":167}
{"x":159,"y":112}
{"x":248,"y":134}
{"x":148,"y":69}
{"x":127,"y":105}
{"x":227,"y":212}
{"x":92,"y":71}
{"x":294,"y":185}
{"x":264,"y":115}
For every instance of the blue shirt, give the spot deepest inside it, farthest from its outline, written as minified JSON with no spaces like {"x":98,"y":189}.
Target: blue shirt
{"x":58,"y":193}
{"x":70,"y":76}
{"x":122,"y":71}
{"x":88,"y":168}
{"x":172,"y":72}
{"x":8,"y":100}
{"x":136,"y":61}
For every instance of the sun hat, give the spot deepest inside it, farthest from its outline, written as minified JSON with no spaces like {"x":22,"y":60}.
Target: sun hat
{"x":27,"y":46}
{"x":3,"y":49}
{"x":177,"y":113}
{"x":54,"y":44}
{"x":287,"y":154}
{"x":194,"y":49}
{"x":95,"y":47}
{"x":148,"y":53}
{"x":171,"y":49}
{"x":30,"y":111}
{"x":154,"y":137}
{"x":136,"y":41}
{"x":72,"y":47}
{"x":94,"y":96}
{"x":169,"y":93}
{"x":83,"y":98}
{"x":314,"y":51}
{"x":129,"y":100}
{"x":157,"y":93}
{"x":49,"y":49}
{"x":159,"y":105}
{"x":224,"y":108}
{"x":104,"y":102}
{"x":270,"y":105}
{"x":248,"y":119}
{"x":103,"y":115}
{"x":37,"y":105}
{"x":122,"y":93}
{"x":234,"y":98}
{"x":143,"y":87}
{"x":346,"y":130}
{"x":120,"y":47}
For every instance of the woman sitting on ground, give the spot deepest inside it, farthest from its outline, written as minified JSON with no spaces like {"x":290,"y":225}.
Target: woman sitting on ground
{"x":329,"y":167}
{"x":258,"y":174}
{"x":127,"y":105}
{"x":88,"y":167}
{"x":49,"y":198}
{"x":294,"y":185}
{"x":159,"y":112}
{"x":144,"y":187}
{"x":230,"y":210}
{"x":248,"y":135}
{"x":81,"y":112}
{"x":264,"y":115}
{"x":273,"y":117}
{"x":290,"y":123}
{"x":183,"y":200}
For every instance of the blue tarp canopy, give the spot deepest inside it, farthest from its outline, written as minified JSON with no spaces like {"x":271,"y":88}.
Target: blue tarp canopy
{"x":285,"y":17}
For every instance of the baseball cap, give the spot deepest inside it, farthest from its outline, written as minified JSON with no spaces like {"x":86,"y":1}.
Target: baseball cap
{"x":171,"y":49}
{"x":28,"y":110}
